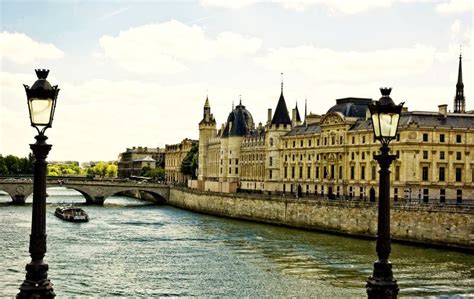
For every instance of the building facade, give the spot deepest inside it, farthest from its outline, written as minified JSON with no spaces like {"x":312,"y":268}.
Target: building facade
{"x":133,"y":160}
{"x":332,"y":155}
{"x":174,"y":156}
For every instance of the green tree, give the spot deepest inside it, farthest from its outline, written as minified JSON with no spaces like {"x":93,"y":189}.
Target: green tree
{"x":13,"y":164}
{"x":3,"y":167}
{"x":111,"y":171}
{"x":145,"y":171}
{"x":190,"y":162}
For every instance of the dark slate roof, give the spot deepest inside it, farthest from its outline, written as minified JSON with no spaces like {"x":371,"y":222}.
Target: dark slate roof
{"x":303,"y":130}
{"x":351,"y":107}
{"x":239,"y":122}
{"x":425,"y":119}
{"x":298,"y":117}
{"x":281,"y":113}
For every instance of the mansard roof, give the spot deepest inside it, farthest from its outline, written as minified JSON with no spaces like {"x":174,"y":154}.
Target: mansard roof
{"x":426,"y":120}
{"x":304,"y":130}
{"x":351,"y":107}
{"x":281,"y":113}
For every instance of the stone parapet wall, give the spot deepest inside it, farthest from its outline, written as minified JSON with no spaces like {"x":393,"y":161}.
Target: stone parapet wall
{"x":442,"y":226}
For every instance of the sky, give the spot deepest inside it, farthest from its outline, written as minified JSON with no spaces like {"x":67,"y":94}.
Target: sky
{"x":137,"y":73}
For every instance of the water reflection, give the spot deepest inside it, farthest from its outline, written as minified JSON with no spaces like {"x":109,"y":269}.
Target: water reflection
{"x":131,"y":248}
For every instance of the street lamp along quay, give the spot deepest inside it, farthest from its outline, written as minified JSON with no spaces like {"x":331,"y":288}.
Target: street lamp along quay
{"x":385,"y":117}
{"x":41,"y":105}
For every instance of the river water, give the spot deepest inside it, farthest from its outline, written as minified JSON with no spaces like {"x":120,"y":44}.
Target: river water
{"x":133,"y":248}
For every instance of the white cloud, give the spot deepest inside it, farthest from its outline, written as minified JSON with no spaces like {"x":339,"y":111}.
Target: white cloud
{"x":21,"y":49}
{"x":455,"y":6}
{"x":171,"y":46}
{"x":323,"y":64}
{"x":333,"y":6}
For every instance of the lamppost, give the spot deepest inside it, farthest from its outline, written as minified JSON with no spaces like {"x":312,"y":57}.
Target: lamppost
{"x":385,"y":116}
{"x":41,"y":99}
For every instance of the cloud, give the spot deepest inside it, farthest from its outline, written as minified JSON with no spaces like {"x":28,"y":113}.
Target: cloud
{"x":20,"y":48}
{"x":170,"y":47}
{"x":323,"y":64}
{"x":334,"y":6}
{"x":455,"y":6}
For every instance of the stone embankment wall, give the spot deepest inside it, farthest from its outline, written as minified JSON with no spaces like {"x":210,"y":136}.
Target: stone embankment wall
{"x":451,"y":227}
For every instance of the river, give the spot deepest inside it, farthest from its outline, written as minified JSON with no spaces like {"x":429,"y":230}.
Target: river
{"x":133,"y":248}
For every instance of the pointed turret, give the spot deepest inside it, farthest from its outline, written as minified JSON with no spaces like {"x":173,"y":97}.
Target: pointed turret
{"x":281,"y":116}
{"x":298,"y":117}
{"x":206,"y":105}
{"x":459,"y":100}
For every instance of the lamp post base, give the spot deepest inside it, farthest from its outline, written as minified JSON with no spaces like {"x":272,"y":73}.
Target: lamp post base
{"x":36,"y":284}
{"x":382,"y":285}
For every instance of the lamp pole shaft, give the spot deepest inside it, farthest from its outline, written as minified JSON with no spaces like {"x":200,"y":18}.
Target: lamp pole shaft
{"x":382,"y":284}
{"x":37,"y":284}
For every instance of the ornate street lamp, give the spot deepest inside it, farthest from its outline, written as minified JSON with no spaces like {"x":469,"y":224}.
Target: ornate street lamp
{"x":41,"y":104}
{"x":385,"y":116}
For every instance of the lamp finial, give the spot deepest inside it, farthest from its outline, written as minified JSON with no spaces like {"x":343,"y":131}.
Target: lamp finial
{"x":42,"y":73}
{"x":385,"y":91}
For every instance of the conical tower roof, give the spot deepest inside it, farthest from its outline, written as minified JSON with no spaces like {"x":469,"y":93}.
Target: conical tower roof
{"x":281,"y":116}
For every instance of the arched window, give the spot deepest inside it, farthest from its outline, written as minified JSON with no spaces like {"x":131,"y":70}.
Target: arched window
{"x":271,"y":141}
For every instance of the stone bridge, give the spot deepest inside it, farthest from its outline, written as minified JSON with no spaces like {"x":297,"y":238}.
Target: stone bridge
{"x":94,"y":191}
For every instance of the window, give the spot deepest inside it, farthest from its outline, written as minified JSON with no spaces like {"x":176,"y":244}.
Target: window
{"x":442,"y":195}
{"x":270,"y":175}
{"x":397,"y":173}
{"x":425,"y":195}
{"x":301,"y":172}
{"x":332,"y":172}
{"x":325,"y":140}
{"x":237,"y":170}
{"x":352,"y":172}
{"x":286,"y":158}
{"x":398,"y":137}
{"x":301,"y":143}
{"x":271,"y":141}
{"x":441,"y":174}
{"x":230,"y":161}
{"x":459,"y":196}
{"x":317,"y":172}
{"x":353,"y":139}
{"x":286,"y":144}
{"x":309,"y":172}
{"x":230,"y":170}
{"x":441,"y":138}
{"x":294,"y":143}
{"x":309,"y":142}
{"x":425,"y":154}
{"x":458,"y":155}
{"x":271,"y":161}
{"x":441,"y":155}
{"x":340,"y":173}
{"x":333,"y":140}
{"x":363,"y":139}
{"x":361,"y":193}
{"x":425,"y":137}
{"x":362,"y":173}
{"x":309,"y":157}
{"x":325,"y":172}
{"x":374,"y":173}
{"x":363,"y":155}
{"x":293,"y":172}
{"x":352,"y":156}
{"x":458,"y":138}
{"x":458,"y":174}
{"x":395,"y":194}
{"x":317,"y":142}
{"x":397,"y":153}
{"x":301,"y":157}
{"x":340,"y":139}
{"x":425,"y":173}
{"x":236,"y":161}
{"x":286,"y":172}
{"x":293,"y":157}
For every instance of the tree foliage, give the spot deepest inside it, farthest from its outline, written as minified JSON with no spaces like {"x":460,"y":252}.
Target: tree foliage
{"x":157,"y":173}
{"x":12,"y":165}
{"x":64,"y":170}
{"x":102,"y":170}
{"x":190,"y":162}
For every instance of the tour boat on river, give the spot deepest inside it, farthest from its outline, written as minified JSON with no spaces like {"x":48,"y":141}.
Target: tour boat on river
{"x":72,"y":214}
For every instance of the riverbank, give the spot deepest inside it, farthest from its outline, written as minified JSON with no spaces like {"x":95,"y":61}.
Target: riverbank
{"x":448,"y":227}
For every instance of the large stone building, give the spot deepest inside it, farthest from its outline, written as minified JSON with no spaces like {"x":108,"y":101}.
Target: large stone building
{"x":174,"y":156}
{"x":333,"y":154}
{"x":133,"y":160}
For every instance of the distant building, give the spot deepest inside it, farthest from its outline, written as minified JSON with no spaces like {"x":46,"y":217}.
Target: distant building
{"x":133,"y":160}
{"x":332,"y":155}
{"x":174,"y":156}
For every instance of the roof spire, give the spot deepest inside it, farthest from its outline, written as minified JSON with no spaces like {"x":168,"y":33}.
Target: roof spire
{"x":281,"y":83}
{"x":240,"y":99}
{"x":459,"y":100}
{"x":232,"y":105}
{"x":298,"y":117}
{"x":206,"y":104}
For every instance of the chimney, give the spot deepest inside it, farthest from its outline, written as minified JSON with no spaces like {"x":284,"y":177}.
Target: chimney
{"x":443,"y":110}
{"x":293,"y":117}
{"x":269,"y":118}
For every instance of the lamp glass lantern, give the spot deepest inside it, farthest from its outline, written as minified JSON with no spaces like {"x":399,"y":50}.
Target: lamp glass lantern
{"x":385,"y":117}
{"x":41,"y":99}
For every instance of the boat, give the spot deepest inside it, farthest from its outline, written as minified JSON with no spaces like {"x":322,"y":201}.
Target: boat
{"x":72,"y":214}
